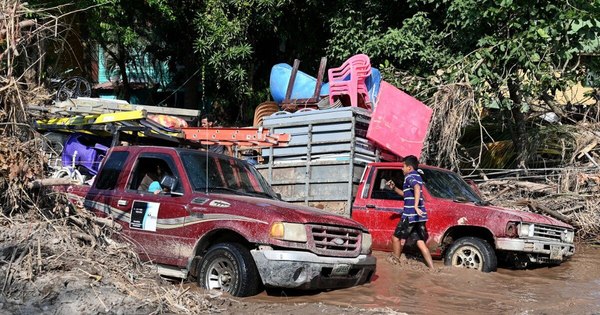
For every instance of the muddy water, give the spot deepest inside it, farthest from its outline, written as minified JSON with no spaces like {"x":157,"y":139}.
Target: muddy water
{"x":571,"y":288}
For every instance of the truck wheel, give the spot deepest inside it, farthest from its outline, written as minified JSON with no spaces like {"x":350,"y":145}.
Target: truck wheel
{"x":471,"y":253}
{"x":229,"y":267}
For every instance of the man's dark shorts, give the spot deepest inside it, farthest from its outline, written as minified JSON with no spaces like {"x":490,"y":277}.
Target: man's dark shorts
{"x":405,"y":229}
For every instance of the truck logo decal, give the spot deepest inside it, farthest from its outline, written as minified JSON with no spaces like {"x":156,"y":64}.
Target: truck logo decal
{"x":338,"y":241}
{"x":219,"y":204}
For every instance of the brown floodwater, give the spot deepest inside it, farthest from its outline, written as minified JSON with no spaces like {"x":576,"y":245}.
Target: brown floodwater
{"x":571,"y":288}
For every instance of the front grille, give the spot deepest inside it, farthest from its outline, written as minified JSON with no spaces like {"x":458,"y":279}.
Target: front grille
{"x":335,"y":240}
{"x":548,"y":232}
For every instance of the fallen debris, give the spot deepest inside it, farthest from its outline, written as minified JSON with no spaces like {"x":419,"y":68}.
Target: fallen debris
{"x":572,"y":196}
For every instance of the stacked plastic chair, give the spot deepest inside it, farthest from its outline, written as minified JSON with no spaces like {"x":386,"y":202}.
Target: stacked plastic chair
{"x":263,"y":110}
{"x":349,"y":79}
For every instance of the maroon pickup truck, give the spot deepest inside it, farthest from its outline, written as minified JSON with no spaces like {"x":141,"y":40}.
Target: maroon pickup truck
{"x":216,"y":219}
{"x":463,"y":229}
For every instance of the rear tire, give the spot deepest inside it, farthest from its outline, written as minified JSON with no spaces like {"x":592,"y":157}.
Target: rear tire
{"x":229,"y":267}
{"x":471,"y":253}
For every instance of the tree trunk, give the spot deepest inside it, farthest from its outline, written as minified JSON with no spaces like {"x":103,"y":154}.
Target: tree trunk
{"x":191,"y":76}
{"x":191,"y":88}
{"x":122,"y":62}
{"x":519,"y":131}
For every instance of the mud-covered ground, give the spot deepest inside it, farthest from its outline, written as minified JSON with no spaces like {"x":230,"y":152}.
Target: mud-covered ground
{"x":572,"y":288}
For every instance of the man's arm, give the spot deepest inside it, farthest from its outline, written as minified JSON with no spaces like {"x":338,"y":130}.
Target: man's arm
{"x":392,"y":186}
{"x":418,"y":199}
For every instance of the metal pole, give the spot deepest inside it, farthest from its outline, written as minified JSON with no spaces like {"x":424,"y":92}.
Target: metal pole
{"x":351,"y":167}
{"x":308,"y":162}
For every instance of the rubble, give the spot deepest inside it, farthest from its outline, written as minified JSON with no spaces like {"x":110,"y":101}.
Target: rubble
{"x":572,"y":195}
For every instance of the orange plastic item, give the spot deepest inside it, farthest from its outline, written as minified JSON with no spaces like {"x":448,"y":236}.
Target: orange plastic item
{"x":168,"y":121}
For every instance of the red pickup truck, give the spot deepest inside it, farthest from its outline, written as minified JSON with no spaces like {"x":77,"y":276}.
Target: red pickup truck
{"x":463,"y":229}
{"x":218,"y":220}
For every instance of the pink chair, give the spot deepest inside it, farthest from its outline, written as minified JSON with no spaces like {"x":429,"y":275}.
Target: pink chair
{"x":349,"y":79}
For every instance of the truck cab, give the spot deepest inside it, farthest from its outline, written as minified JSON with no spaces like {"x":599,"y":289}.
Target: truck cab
{"x":216,"y":219}
{"x":464,"y":230}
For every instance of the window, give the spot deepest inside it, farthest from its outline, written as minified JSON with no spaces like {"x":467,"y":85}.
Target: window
{"x":381,"y":190}
{"x":448,"y":185}
{"x":152,"y":168}
{"x":216,"y":173}
{"x":107,"y":179}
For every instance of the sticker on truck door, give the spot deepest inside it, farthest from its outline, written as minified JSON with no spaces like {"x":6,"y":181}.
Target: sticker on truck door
{"x":144,"y":215}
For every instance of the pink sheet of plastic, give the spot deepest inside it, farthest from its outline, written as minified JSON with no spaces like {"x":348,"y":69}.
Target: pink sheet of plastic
{"x":399,"y":122}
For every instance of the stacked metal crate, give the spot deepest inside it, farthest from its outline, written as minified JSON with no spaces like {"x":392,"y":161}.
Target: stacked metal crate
{"x":324,"y":160}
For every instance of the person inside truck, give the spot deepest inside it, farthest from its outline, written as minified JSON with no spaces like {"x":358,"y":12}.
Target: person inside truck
{"x":151,"y":175}
{"x":155,"y":187}
{"x":153,"y":171}
{"x":414,"y":215}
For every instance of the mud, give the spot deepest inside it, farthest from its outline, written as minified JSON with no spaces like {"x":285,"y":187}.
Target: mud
{"x":571,"y":288}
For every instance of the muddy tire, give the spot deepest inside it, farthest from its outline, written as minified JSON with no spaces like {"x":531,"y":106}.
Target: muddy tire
{"x":471,"y":253}
{"x":229,"y":267}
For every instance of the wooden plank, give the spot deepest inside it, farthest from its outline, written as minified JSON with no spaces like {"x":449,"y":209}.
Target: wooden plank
{"x":290,"y":87}
{"x":322,"y":66}
{"x":98,"y":105}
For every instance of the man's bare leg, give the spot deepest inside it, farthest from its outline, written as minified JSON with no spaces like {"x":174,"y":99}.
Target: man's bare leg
{"x":397,"y":245}
{"x":426,"y":254}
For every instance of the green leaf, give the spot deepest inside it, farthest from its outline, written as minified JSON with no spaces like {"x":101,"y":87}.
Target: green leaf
{"x":542,"y":33}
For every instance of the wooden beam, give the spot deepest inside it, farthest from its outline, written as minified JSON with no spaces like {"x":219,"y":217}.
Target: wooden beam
{"x":99,"y":106}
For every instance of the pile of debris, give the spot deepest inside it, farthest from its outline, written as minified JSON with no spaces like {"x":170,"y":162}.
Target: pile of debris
{"x":52,"y":254}
{"x":570,"y":194}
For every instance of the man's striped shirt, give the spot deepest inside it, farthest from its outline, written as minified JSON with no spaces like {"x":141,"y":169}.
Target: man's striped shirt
{"x":411,"y":180}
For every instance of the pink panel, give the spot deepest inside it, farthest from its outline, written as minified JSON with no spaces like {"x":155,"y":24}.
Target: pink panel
{"x":399,"y":123}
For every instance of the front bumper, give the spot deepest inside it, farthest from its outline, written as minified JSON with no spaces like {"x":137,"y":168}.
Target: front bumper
{"x":545,"y":251}
{"x":305,"y":270}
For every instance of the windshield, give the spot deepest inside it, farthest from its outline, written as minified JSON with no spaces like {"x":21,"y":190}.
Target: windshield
{"x":211,"y":173}
{"x":448,"y":185}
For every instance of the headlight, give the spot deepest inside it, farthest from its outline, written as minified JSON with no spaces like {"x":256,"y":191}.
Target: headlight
{"x":293,"y":232}
{"x":512,"y":229}
{"x":365,"y":245}
{"x":526,"y":230}
{"x":568,"y":236}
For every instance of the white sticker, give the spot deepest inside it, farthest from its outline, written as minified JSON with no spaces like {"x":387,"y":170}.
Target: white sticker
{"x":144,"y":215}
{"x":219,"y":204}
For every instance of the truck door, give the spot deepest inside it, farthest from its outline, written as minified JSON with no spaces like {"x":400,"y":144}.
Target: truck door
{"x":102,"y":198}
{"x":380,"y":208}
{"x":156,"y":218}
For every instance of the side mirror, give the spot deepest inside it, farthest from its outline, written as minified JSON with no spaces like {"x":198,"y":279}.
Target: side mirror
{"x":171,"y":182}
